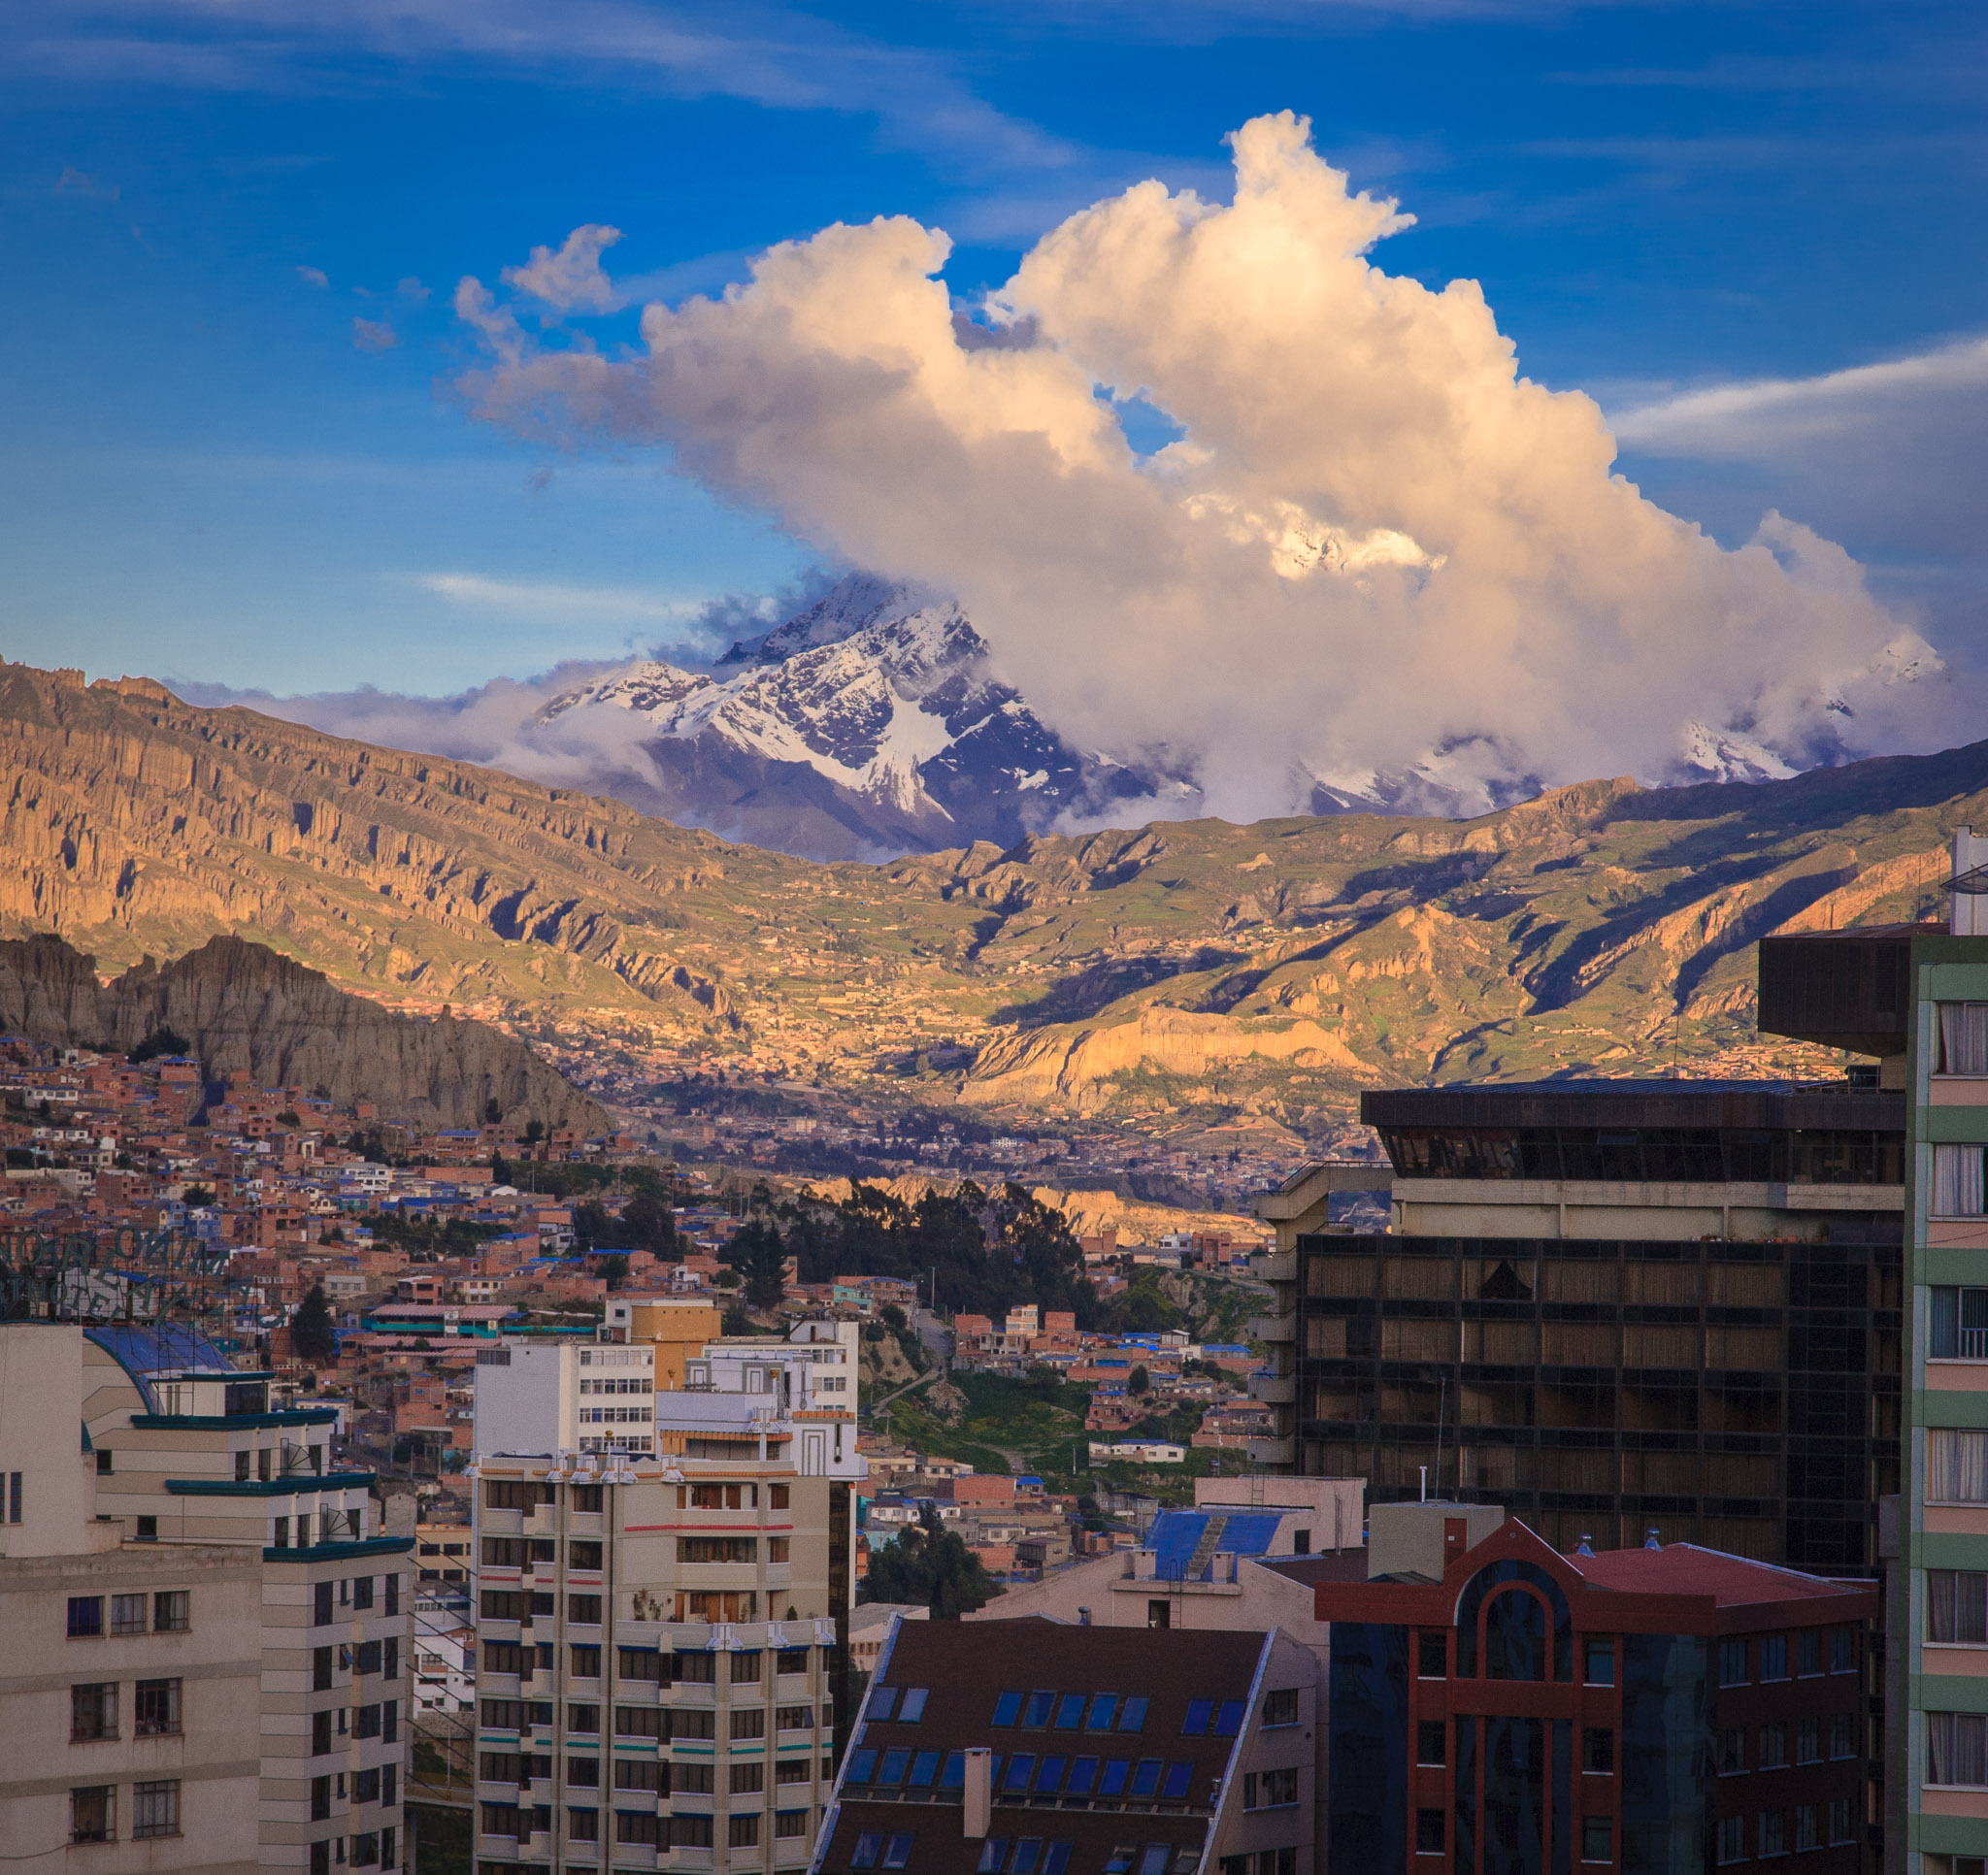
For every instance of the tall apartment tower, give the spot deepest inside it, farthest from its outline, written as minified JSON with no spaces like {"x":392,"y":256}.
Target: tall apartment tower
{"x":209,"y":1655}
{"x":1937,"y":1774}
{"x":661,"y":1606}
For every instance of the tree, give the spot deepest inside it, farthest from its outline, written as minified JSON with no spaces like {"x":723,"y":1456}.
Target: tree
{"x":1141,"y":1381}
{"x":312,"y":1332}
{"x":289,"y":1117}
{"x":758,"y":1251}
{"x":648,"y":1224}
{"x":929,"y":1563}
{"x":534,"y":1132}
{"x":614,"y":1270}
{"x":493,"y":1113}
{"x":591,"y":1224}
{"x":195,"y":1197}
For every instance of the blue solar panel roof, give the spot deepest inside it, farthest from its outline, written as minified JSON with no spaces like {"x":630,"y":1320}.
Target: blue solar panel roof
{"x":1176,"y":1534}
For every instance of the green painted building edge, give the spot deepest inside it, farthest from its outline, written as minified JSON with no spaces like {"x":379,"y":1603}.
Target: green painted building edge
{"x":342,"y":1552}
{"x":1947,"y":1692}
{"x":240,"y":1422}
{"x":1932,"y":1407}
{"x":1947,"y":1835}
{"x":1944,"y":1550}
{"x":269,"y":1487}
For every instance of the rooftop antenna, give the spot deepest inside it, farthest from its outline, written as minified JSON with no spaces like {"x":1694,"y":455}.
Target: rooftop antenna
{"x":1424,"y":1471}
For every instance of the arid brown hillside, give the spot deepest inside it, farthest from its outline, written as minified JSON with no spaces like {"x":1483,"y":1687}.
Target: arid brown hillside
{"x":1193,"y":970}
{"x":240,"y":1007}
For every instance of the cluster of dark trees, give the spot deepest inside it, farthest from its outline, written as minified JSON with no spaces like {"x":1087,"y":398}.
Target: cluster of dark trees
{"x":929,"y":1564}
{"x":985,"y":1249}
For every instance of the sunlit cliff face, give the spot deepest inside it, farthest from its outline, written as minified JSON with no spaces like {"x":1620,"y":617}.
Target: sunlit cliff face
{"x":1372,"y":540}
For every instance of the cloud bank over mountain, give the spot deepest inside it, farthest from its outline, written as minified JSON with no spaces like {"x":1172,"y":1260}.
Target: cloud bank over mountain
{"x":1375,"y":549}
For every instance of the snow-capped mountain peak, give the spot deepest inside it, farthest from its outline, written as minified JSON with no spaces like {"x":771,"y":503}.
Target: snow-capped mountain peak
{"x":871,"y":721}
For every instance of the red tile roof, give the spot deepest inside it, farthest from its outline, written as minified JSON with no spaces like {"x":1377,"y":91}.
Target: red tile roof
{"x":1683,"y":1569}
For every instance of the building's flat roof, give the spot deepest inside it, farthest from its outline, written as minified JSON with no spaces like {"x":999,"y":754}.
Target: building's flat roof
{"x":1770,"y":1106}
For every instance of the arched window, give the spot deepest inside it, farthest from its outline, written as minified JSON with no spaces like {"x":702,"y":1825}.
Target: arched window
{"x":1515,"y":1636}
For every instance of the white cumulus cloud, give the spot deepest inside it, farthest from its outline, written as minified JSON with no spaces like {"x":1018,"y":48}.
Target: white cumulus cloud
{"x":1374,"y":541}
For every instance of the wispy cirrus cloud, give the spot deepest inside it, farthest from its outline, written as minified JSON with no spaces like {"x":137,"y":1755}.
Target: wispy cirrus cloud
{"x":580,"y":607}
{"x":769,"y":55}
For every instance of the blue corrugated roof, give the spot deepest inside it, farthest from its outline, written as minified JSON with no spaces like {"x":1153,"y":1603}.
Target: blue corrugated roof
{"x":168,"y":1347}
{"x":1177,"y":1533}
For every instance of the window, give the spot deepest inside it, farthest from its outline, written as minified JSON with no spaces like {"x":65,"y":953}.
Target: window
{"x":169,"y":1612}
{"x":584,"y":1716}
{"x":582,"y":1826}
{"x":85,"y":1621}
{"x":1179,"y":1778}
{"x":1159,"y":1613}
{"x":779,"y":1496}
{"x":156,"y":1708}
{"x":1280,"y":1708}
{"x":791,"y":1660}
{"x":585,"y":1610}
{"x":1145,"y":1778}
{"x":1199,"y":1713}
{"x":747,"y":1780}
{"x":1598,"y":1839}
{"x":1034,"y":1715}
{"x":320,"y":1733}
{"x":1083,"y":1774}
{"x":640,"y":1722}
{"x":870,"y":1845}
{"x":1809,"y":1652}
{"x":745,"y":1833}
{"x":586,"y":1662}
{"x":882,"y":1702}
{"x":748,"y":1669}
{"x":1838,"y":1819}
{"x":366,"y":1786}
{"x":127,"y":1614}
{"x":147,"y":1530}
{"x":631,"y":1773}
{"x":1103,"y":1707}
{"x":1843,"y":1735}
{"x":1957,"y":1185}
{"x":93,"y":1710}
{"x":1843,"y":1650}
{"x":1118,"y":1769}
{"x":1774,"y":1832}
{"x":749,"y":1721}
{"x":1808,"y":1826}
{"x":1228,"y":1718}
{"x":1431,"y":1736}
{"x":1773,"y":1656}
{"x":897,"y":1853}
{"x":1957,"y":1606}
{"x":1963,"y":1037}
{"x":791,"y":1823}
{"x":362,"y":1591}
{"x":1432,"y":1657}
{"x":155,"y":1807}
{"x":1774,"y":1748}
{"x":1730,"y":1842}
{"x":1131,"y":1715}
{"x":1430,"y":1833}
{"x":93,"y":1813}
{"x":1733,"y":1663}
{"x":1020,"y":1767}
{"x":368,"y":1657}
{"x":694,"y":1669}
{"x":1601,"y":1663}
{"x":795,"y":1719}
{"x":633,"y":1828}
{"x":392,"y":1583}
{"x":913,"y":1707}
{"x":1731,"y":1751}
{"x":1048,"y":1778}
{"x":1598,"y":1750}
{"x":320,"y":1672}
{"x":1268,"y":1790}
{"x":798,"y":1770}
{"x":14,"y":1479}
{"x":584,"y":1556}
{"x":1957,"y":1748}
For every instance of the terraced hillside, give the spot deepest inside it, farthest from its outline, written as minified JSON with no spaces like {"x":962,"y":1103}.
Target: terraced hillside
{"x":1237,"y":973}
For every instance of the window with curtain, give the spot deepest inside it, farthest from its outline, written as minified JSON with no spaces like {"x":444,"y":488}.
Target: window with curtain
{"x":1956,"y":1466}
{"x":1957,"y":1748}
{"x":1957,"y":1606}
{"x":1957,"y":1185}
{"x":1959,"y":1324}
{"x":1964,"y":1037}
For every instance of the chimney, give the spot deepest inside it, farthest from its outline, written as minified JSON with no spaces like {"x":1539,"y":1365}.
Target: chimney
{"x":979,"y":1791}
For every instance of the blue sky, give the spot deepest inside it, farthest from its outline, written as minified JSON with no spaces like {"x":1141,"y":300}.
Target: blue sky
{"x":232,"y":451}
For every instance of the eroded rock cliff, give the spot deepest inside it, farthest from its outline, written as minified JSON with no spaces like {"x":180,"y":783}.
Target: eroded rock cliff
{"x":245,"y":1008}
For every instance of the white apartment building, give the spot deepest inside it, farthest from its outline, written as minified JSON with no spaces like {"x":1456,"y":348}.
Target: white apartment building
{"x":566,"y":1396}
{"x":661,"y":1605}
{"x":192,"y":1471}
